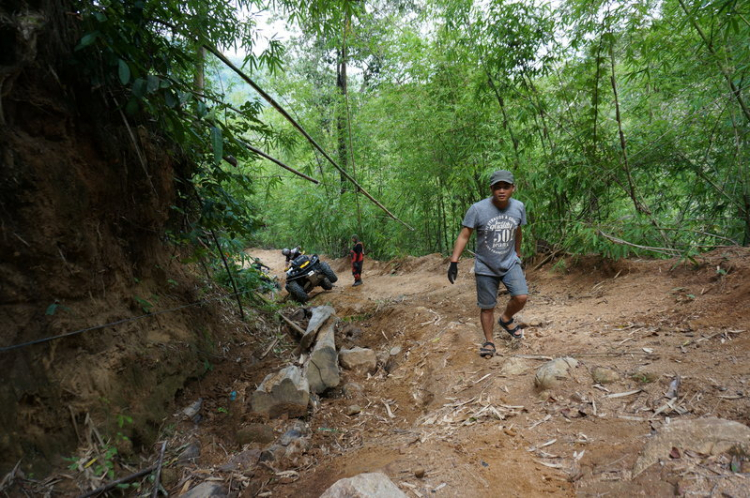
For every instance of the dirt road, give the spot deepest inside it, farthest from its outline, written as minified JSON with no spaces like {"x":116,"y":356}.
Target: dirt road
{"x":440,"y":420}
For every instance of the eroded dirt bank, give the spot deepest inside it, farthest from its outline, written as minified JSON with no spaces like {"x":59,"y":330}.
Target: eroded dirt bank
{"x":477,"y":427}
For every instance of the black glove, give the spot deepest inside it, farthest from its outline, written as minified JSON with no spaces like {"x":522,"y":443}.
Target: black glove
{"x":452,"y":272}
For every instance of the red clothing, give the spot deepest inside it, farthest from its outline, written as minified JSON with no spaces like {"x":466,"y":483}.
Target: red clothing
{"x":358,"y":252}
{"x":358,"y":256}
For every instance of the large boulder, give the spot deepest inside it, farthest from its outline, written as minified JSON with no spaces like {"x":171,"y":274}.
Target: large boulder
{"x":709,"y":436}
{"x":322,"y":367}
{"x":371,"y":485}
{"x":320,"y":315}
{"x":360,"y":360}
{"x":285,"y":392}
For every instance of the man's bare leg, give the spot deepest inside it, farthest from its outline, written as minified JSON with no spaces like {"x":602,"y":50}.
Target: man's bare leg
{"x":515,"y":305}
{"x":487,"y":317}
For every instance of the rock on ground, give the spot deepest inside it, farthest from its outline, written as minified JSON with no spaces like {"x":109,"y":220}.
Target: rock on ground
{"x":709,"y":436}
{"x":514,"y":366}
{"x":370,"y":485}
{"x":604,"y":375}
{"x":322,"y":368}
{"x":552,"y":373}
{"x":285,"y":392}
{"x":255,"y":433}
{"x":361,"y":360}
{"x":319,"y":316}
{"x":206,"y":490}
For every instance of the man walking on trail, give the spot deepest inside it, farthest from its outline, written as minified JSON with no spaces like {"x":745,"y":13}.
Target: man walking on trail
{"x":358,"y":257}
{"x":497,"y":220}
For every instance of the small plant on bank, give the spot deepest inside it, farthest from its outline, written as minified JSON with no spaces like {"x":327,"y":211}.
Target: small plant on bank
{"x":145,"y":305}
{"x":643,"y":377}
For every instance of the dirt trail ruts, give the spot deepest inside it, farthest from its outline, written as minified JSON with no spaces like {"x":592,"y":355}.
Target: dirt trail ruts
{"x":479,"y":427}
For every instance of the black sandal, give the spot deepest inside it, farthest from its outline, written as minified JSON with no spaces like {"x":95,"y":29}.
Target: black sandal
{"x":515,"y":332}
{"x":487,"y":350}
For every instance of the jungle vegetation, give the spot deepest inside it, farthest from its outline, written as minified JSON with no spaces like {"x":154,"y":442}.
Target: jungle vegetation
{"x":626,"y":123}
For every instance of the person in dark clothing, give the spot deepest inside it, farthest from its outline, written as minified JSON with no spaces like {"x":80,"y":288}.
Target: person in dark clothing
{"x":358,"y":256}
{"x":258,"y":265}
{"x":290,"y":254}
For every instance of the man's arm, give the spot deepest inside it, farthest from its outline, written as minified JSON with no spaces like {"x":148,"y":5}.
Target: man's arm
{"x":458,"y":248}
{"x":460,"y":245}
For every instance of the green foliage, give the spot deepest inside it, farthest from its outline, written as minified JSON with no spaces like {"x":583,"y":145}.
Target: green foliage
{"x":207,"y":367}
{"x":644,"y":377}
{"x":123,"y":419}
{"x":661,"y":168}
{"x":145,"y":305}
{"x":52,"y":309}
{"x":148,"y":56}
{"x":103,"y":459}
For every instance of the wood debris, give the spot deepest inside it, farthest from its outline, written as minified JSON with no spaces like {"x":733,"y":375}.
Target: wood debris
{"x":480,"y":380}
{"x":468,"y":412}
{"x":411,"y":487}
{"x":543,"y":445}
{"x":622,"y":395}
{"x":538,"y":422}
{"x":388,"y":409}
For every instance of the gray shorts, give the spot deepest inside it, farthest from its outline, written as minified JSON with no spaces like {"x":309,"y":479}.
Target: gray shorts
{"x":487,"y":286}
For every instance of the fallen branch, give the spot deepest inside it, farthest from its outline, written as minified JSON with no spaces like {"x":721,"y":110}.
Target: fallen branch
{"x":269,"y":348}
{"x":723,"y":332}
{"x":388,"y":409}
{"x":547,"y":259}
{"x":622,"y":395}
{"x":121,"y":480}
{"x":299,"y":128}
{"x":662,"y":250}
{"x":533,"y":357}
{"x":296,"y":327}
{"x":157,"y":477}
{"x":274,"y":160}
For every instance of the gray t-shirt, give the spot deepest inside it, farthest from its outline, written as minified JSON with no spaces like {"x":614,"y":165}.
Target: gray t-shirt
{"x":496,"y":235}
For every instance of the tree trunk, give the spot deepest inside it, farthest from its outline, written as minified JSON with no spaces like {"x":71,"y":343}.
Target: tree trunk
{"x":623,"y":143}
{"x":199,"y":83}
{"x":639,"y":205}
{"x":341,"y":122}
{"x":506,"y":121}
{"x":746,"y":238}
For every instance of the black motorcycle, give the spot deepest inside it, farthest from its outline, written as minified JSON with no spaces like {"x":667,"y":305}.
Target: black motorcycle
{"x":307,"y":272}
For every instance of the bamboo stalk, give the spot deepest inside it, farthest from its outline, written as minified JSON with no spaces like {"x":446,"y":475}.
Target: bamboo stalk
{"x":299,"y":127}
{"x":121,"y":480}
{"x":157,"y":477}
{"x":292,"y":324}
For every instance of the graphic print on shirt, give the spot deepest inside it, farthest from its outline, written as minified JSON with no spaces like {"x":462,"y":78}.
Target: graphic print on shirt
{"x":501,"y":230}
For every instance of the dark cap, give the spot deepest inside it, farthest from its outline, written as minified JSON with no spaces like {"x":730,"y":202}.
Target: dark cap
{"x":502,"y":176}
